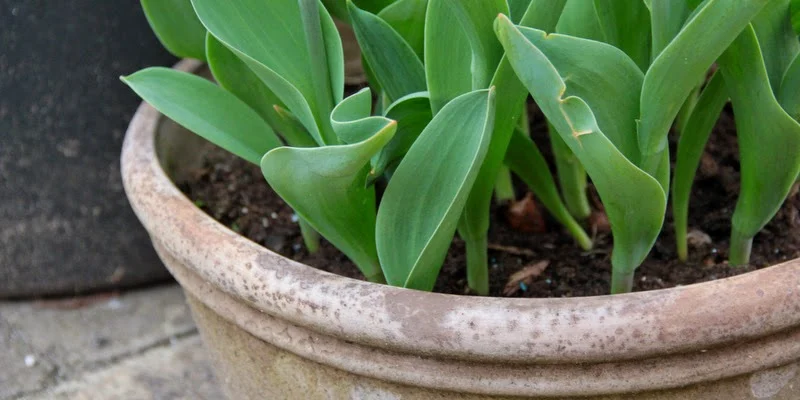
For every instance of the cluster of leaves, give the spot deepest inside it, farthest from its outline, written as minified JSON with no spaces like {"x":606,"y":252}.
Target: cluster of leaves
{"x":451,"y":79}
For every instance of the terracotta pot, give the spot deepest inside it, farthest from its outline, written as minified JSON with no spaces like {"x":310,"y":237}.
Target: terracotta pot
{"x":280,"y":329}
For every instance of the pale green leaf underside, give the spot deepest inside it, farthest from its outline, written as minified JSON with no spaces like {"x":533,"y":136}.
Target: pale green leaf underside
{"x":205,"y":109}
{"x":634,"y":201}
{"x":419,"y":212}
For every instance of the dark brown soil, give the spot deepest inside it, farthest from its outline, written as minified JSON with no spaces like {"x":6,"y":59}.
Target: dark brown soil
{"x":235,"y":193}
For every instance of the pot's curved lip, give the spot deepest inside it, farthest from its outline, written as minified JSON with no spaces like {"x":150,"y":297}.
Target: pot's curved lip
{"x":589,"y":329}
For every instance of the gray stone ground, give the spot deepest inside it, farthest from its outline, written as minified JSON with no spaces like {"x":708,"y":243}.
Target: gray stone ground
{"x":136,"y":345}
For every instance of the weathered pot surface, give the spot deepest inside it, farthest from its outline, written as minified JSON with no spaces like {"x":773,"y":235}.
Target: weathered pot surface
{"x":280,"y":329}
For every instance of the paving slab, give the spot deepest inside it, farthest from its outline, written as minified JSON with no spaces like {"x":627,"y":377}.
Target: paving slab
{"x":176,"y":371}
{"x":16,"y":376}
{"x":139,"y":344}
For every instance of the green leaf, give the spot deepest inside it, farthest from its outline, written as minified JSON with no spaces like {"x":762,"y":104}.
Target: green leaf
{"x":447,"y":55}
{"x":795,"y":15}
{"x":292,"y":130}
{"x":769,"y":138}
{"x":683,"y":63}
{"x":626,"y":26}
{"x":177,"y":27}
{"x":325,"y":185}
{"x":292,"y":57}
{"x":392,"y":61}
{"x":692,"y":141}
{"x":205,"y":109}
{"x":517,"y":8}
{"x":407,"y":17}
{"x":580,"y":19}
{"x":789,"y":94}
{"x":474,"y":224}
{"x":571,"y":176}
{"x":460,"y":57}
{"x":339,"y":7}
{"x":235,"y":76}
{"x":413,"y":114}
{"x":666,"y":18}
{"x":778,"y":42}
{"x":477,"y":21}
{"x":525,"y":159}
{"x":634,"y":201}
{"x":419,"y":212}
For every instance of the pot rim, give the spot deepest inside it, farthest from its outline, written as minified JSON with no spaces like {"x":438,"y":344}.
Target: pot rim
{"x":554,"y":330}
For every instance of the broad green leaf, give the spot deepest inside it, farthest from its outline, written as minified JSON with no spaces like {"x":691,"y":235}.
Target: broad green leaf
{"x":769,"y":139}
{"x":205,"y":109}
{"x":580,"y":19}
{"x":325,"y":185}
{"x":419,"y":212}
{"x":447,"y":55}
{"x":626,"y":26}
{"x":290,"y":56}
{"x":413,"y":114}
{"x":525,"y":159}
{"x":634,"y":201}
{"x":477,"y":20}
{"x":666,"y":18}
{"x":177,"y":27}
{"x":603,"y":76}
{"x":407,"y":17}
{"x":683,"y":63}
{"x":789,"y":94}
{"x":235,"y":76}
{"x":777,"y":40}
{"x":692,"y":141}
{"x":392,"y":61}
{"x":517,"y":8}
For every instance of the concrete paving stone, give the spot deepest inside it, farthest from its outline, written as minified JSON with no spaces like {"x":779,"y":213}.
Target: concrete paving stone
{"x":22,"y":370}
{"x":81,"y":334}
{"x":176,"y":371}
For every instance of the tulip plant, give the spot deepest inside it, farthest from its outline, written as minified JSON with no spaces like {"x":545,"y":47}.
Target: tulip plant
{"x":443,"y":120}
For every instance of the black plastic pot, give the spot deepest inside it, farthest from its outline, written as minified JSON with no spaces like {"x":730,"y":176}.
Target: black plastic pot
{"x":65,"y":225}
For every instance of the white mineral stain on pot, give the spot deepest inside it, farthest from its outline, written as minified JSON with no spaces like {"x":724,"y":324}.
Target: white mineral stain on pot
{"x":768,"y":383}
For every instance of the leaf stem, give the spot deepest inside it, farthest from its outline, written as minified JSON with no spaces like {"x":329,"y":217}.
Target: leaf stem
{"x":739,"y":252}
{"x":310,"y":236}
{"x":376,"y":277}
{"x":621,"y":282}
{"x":504,"y":187}
{"x":477,"y":264}
{"x":571,"y":176}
